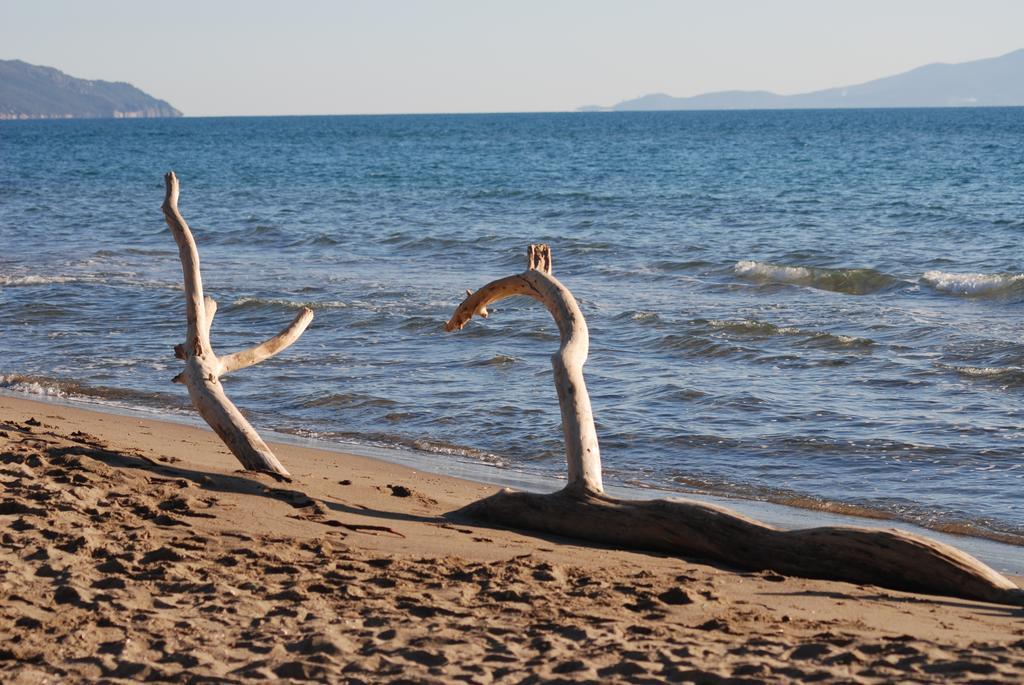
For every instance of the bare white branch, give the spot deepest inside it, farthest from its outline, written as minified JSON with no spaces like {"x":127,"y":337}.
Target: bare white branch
{"x":202,"y":366}
{"x":267,"y":349}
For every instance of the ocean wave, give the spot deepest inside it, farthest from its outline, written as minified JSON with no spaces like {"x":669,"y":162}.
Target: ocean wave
{"x":974,"y":285}
{"x":685,"y":265}
{"x":324,"y":240}
{"x":402,"y":442}
{"x":755,"y":328}
{"x":259,"y":302}
{"x":672,"y":392}
{"x":645,"y":317}
{"x":128,"y":279}
{"x":448,"y":448}
{"x":31,"y":385}
{"x":1008,"y":376}
{"x":421,"y":323}
{"x":848,"y":281}
{"x":699,"y":346}
{"x":436,"y":244}
{"x":348,"y":400}
{"x":34,"y":279}
{"x":498,"y":360}
{"x":145,"y":252}
{"x":258,"y":234}
{"x":42,"y":386}
{"x":748,"y":327}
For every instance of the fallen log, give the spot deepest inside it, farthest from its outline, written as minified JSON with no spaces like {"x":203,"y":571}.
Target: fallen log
{"x":887,"y":558}
{"x":203,"y":368}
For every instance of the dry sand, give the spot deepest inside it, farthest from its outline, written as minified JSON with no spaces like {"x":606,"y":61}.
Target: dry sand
{"x":133,"y":549}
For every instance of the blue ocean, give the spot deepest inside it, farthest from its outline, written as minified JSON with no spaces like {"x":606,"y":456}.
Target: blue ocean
{"x":814,"y":308}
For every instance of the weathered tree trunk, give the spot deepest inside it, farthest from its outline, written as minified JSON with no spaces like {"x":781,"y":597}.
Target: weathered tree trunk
{"x":203,"y":368}
{"x":889,"y":558}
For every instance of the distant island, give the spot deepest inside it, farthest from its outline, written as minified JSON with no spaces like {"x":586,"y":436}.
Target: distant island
{"x":28,"y":91}
{"x":993,"y":82}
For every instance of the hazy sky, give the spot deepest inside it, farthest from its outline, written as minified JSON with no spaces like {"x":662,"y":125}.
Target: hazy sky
{"x":212,"y":57}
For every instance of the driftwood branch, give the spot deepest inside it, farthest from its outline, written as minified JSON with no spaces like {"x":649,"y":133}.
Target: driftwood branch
{"x":888,"y":558}
{"x":582,"y":454}
{"x":210,"y":307}
{"x":266,"y":350}
{"x":203,"y":368}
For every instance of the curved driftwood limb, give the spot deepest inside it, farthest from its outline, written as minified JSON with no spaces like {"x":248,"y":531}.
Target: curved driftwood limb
{"x":267,"y":349}
{"x":888,"y":558}
{"x":203,"y":368}
{"x":582,"y":454}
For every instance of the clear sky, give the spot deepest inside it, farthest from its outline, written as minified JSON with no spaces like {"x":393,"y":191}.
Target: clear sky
{"x":210,"y":57}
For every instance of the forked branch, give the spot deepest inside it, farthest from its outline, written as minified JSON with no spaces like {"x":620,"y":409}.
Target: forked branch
{"x":203,"y":368}
{"x":890,"y":558}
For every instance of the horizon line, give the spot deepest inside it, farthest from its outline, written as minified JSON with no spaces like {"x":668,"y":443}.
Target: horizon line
{"x":582,"y":110}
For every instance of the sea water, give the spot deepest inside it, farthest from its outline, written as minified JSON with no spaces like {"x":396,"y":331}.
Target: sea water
{"x":816,"y":308}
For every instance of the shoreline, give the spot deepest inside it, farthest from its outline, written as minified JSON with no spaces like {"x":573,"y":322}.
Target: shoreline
{"x":1003,"y":557}
{"x":134,"y":548}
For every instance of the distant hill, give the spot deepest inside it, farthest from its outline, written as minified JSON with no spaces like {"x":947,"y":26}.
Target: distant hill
{"x":993,"y":82}
{"x":31,"y":92}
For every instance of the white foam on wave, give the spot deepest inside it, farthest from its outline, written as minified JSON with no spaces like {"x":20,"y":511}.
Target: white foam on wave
{"x":773,"y":272}
{"x":851,"y":281}
{"x":35,"y":280}
{"x":763,"y":328}
{"x":30,"y":386}
{"x":127,"y":278}
{"x":988,"y":371}
{"x":291,"y":304}
{"x":971,"y":284}
{"x":644,"y":316}
{"x":752,"y":326}
{"x":59,"y":390}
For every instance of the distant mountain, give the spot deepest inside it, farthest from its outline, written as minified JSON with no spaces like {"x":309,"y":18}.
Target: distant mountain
{"x":31,"y":92}
{"x":993,"y":82}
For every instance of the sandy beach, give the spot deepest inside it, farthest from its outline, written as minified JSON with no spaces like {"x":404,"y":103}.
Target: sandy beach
{"x":134,"y":549}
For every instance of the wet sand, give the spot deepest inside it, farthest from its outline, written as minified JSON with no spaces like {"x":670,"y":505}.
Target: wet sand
{"x":134,"y":549}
